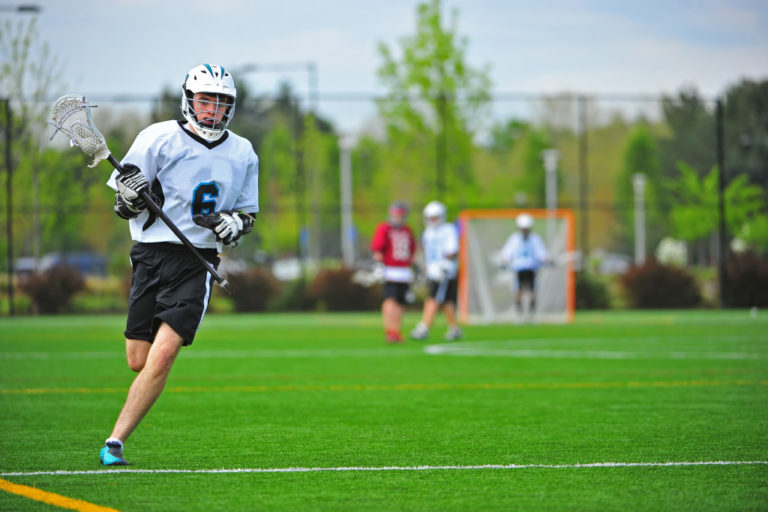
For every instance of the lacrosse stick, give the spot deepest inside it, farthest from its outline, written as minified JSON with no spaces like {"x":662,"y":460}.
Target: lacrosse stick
{"x":71,"y":115}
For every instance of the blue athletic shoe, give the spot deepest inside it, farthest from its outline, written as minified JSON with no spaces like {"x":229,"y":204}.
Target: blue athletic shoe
{"x":112,"y":455}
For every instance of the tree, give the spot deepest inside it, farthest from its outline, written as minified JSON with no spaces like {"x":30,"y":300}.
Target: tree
{"x":29,"y":73}
{"x":691,"y":137}
{"x":746,"y":131}
{"x":641,"y":155}
{"x":434,"y":103}
{"x":696,"y":214}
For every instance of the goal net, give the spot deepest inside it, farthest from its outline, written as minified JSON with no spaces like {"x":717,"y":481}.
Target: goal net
{"x":486,"y":289}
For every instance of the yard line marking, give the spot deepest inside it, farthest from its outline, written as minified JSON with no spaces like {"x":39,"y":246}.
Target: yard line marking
{"x":493,"y":349}
{"x":227,"y":354}
{"x":402,"y":387}
{"x":393,"y":468}
{"x":51,"y":498}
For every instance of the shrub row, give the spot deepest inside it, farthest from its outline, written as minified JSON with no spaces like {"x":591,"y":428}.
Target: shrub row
{"x":652,"y":285}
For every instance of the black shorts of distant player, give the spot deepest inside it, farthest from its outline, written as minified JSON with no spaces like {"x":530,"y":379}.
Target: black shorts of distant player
{"x":526,"y":280}
{"x":444,"y":292}
{"x":398,"y":291}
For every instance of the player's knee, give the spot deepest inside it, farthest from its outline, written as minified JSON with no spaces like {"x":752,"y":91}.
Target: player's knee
{"x":136,"y":365}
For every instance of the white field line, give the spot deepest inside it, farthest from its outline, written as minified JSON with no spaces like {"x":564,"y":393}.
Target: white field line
{"x":479,"y":351}
{"x":513,"y":348}
{"x":391,"y":468}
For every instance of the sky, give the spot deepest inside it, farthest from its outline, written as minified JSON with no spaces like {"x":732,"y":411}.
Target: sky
{"x":113,"y":47}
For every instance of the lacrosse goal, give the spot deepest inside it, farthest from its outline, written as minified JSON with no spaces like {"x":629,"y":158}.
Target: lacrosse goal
{"x":486,"y":288}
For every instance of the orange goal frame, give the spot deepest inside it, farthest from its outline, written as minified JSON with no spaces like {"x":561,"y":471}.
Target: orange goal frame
{"x":540,"y":214}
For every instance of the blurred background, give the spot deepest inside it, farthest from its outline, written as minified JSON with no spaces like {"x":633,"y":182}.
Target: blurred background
{"x":649,"y":122}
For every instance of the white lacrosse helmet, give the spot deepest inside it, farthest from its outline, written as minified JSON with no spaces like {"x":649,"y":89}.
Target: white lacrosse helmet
{"x":524,"y":221}
{"x":434,"y":210}
{"x":216,"y":81}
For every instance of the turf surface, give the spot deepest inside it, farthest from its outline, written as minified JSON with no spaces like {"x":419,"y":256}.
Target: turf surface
{"x":323,"y":391}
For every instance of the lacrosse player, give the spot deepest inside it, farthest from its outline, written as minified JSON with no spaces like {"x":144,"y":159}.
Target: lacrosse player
{"x":205,"y":178}
{"x":524,"y":253}
{"x":394,"y":246}
{"x":440,"y":245}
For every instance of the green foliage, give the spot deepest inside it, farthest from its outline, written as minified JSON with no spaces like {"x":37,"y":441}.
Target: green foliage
{"x":591,"y":292}
{"x":52,"y":291}
{"x":656,"y":286}
{"x":746,"y":130}
{"x":691,"y":136}
{"x":696,"y":213}
{"x":641,"y":155}
{"x":434,"y":99}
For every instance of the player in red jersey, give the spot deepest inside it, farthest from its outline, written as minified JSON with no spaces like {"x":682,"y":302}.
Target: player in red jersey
{"x":394,"y":246}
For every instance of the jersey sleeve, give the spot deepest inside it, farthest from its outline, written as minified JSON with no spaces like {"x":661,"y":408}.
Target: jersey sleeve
{"x":379,"y":240}
{"x":541,"y":250}
{"x":248,"y":200}
{"x":144,"y":153}
{"x":450,"y":240}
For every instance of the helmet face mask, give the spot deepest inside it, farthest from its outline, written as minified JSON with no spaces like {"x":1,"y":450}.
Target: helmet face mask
{"x":208,"y":100}
{"x":398,"y":211}
{"x":434,"y":213}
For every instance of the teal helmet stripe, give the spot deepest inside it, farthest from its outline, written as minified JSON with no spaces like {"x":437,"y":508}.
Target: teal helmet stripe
{"x":210,"y":70}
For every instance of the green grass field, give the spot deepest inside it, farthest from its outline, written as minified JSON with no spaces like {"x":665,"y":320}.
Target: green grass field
{"x":319,"y":413}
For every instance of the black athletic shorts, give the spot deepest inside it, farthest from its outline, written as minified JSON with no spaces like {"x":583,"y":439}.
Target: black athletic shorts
{"x":397,"y":291}
{"x":526,"y":280}
{"x":169,"y":285}
{"x":444,"y":291}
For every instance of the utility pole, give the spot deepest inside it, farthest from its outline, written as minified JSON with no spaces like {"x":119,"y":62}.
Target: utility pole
{"x":9,"y":201}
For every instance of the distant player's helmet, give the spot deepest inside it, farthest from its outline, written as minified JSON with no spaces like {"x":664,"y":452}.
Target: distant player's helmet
{"x":434,"y":213}
{"x":398,"y":211}
{"x":524,"y":221}
{"x":218,"y":82}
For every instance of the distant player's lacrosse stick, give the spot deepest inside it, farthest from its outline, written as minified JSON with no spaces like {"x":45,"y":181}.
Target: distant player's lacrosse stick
{"x":71,"y":115}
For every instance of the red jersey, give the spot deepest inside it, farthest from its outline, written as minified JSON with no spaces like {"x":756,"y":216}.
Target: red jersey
{"x":398,"y":245}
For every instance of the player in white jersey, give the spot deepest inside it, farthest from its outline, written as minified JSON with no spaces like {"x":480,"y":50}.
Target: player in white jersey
{"x":440,"y":246}
{"x":524,"y":252}
{"x":205,"y":178}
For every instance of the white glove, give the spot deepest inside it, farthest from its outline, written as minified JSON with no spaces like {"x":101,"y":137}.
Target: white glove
{"x":228,"y":227}
{"x":446,"y":269}
{"x":378,"y":273}
{"x":130,"y":185}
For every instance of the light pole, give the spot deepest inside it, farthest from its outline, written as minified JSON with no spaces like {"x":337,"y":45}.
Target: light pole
{"x":347,"y":226}
{"x":638,"y":182}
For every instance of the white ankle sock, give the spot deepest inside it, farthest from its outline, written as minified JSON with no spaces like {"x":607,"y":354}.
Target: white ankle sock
{"x":114,"y":440}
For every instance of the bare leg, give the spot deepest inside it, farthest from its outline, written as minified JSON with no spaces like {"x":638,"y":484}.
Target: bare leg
{"x":449,"y":308}
{"x":430,"y":310}
{"x":150,"y":381}
{"x":136,"y":352}
{"x":393,"y":315}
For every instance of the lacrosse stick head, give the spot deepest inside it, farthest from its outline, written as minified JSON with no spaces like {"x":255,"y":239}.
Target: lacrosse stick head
{"x":71,"y":115}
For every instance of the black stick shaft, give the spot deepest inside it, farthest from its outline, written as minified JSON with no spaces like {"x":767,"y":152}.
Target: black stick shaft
{"x":154,"y":208}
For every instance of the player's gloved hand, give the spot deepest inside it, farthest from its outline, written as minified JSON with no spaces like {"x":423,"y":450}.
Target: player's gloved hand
{"x":446,"y":267}
{"x":378,"y":273}
{"x":130,"y":185}
{"x":228,"y":226}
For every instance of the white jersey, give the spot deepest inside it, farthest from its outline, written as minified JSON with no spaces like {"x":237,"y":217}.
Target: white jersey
{"x":193,"y":176}
{"x":524,"y":253}
{"x":438,"y":242}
